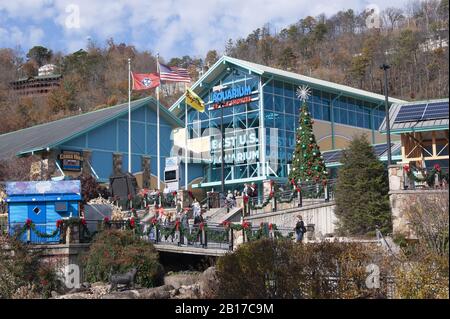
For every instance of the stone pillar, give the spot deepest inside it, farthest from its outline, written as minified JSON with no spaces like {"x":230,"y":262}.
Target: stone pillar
{"x":396,"y":178}
{"x":117,"y":164}
{"x":186,"y":200}
{"x":86,"y":169}
{"x":266,"y":193}
{"x":52,"y":158}
{"x":146,"y":171}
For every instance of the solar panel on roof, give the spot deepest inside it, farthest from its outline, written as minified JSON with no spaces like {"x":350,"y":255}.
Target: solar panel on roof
{"x":381,"y":149}
{"x":421,"y":112}
{"x":332,"y":156}
{"x":436,"y":111}
{"x":410,"y":113}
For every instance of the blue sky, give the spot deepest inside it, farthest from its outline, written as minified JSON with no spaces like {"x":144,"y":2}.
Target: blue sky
{"x":171,"y":27}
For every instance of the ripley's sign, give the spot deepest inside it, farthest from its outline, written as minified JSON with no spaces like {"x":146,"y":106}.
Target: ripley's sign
{"x":232,"y":96}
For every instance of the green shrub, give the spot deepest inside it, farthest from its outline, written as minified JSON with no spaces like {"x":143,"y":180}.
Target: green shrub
{"x":283,"y":269}
{"x":114,"y":251}
{"x":22,"y":269}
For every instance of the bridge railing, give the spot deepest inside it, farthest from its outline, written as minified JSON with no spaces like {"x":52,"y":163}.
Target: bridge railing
{"x":204,"y":235}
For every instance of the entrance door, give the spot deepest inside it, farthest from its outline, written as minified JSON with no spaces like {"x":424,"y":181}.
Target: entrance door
{"x":38,"y":214}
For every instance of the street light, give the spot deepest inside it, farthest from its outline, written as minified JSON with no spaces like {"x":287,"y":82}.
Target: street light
{"x":386,"y":67}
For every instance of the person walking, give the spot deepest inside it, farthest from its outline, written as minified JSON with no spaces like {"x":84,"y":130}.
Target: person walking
{"x":196,"y":210}
{"x":299,"y":229}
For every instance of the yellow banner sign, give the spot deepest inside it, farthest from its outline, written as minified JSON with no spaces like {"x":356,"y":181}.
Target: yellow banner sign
{"x":194,"y":101}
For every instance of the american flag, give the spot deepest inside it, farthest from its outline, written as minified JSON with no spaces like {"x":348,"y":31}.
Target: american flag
{"x":174,"y":74}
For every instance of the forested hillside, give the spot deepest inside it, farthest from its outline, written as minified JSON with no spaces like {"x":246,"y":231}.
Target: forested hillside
{"x":340,"y":48}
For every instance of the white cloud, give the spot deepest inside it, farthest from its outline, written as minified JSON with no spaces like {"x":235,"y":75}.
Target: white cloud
{"x":172,"y":27}
{"x":25,"y":38}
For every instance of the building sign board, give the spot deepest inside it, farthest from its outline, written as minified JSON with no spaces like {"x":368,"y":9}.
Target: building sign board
{"x":231,"y":96}
{"x":71,"y":160}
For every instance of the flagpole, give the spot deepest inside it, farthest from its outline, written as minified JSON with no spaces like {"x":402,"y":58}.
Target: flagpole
{"x":185,"y":143}
{"x":129,"y":115}
{"x":157,"y":126}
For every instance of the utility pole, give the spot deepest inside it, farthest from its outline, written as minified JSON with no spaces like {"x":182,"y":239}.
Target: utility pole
{"x":386,"y":67}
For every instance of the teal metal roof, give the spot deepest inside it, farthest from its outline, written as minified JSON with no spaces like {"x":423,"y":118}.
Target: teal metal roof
{"x":40,"y":137}
{"x":413,"y":126}
{"x":207,"y":80}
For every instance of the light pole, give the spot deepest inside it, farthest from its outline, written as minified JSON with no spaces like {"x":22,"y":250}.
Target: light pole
{"x":222,"y":150}
{"x":386,"y":67}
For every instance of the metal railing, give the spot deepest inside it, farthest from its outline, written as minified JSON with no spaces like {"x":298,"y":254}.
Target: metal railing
{"x":310,"y":194}
{"x":213,"y":236}
{"x":429,"y":181}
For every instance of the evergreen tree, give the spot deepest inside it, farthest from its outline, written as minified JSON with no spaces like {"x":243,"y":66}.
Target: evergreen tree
{"x":362,"y":200}
{"x":307,"y":161}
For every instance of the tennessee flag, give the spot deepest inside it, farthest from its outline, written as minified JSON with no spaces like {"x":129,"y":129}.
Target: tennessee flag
{"x":144,"y":81}
{"x":193,"y":100}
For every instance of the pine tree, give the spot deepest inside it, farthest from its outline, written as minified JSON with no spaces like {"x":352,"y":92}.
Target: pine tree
{"x":362,"y":200}
{"x":307,"y":161}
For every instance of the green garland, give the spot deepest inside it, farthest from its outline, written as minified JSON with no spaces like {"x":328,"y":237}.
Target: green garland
{"x":429,"y":178}
{"x":64,"y":224}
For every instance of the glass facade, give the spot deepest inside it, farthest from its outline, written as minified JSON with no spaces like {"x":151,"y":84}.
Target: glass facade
{"x":281,"y":111}
{"x":241,"y":126}
{"x":278,"y":104}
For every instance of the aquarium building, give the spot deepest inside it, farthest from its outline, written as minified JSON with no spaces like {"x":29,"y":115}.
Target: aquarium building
{"x":260,"y":112}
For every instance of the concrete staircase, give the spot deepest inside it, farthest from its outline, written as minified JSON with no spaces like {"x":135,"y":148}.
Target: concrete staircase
{"x":220,"y":215}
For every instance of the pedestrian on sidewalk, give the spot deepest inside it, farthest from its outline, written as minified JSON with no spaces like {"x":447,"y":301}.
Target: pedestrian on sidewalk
{"x":299,"y":229}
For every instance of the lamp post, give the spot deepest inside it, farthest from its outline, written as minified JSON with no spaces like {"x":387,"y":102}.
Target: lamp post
{"x":222,"y":150}
{"x":386,"y":67}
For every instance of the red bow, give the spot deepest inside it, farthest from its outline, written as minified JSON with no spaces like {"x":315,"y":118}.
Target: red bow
{"x":245,"y":225}
{"x":28,"y":222}
{"x":437,"y":167}
{"x":106,"y":219}
{"x":132,"y":223}
{"x":154,"y":221}
{"x":59,"y":223}
{"x":226,"y":223}
{"x":406,"y":168}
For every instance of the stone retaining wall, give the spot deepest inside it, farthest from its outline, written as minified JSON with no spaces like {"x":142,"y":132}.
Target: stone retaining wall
{"x":321,"y":215}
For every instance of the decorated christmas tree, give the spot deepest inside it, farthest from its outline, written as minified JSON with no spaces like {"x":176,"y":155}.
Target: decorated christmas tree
{"x":307,"y":161}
